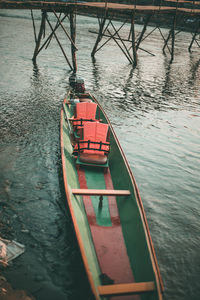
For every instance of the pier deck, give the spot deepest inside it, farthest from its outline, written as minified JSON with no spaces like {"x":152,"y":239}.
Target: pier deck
{"x":95,"y":7}
{"x":106,"y":12}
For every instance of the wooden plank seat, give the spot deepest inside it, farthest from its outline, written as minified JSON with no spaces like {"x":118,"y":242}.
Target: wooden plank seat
{"x":94,"y":148}
{"x":126,"y":288}
{"x":74,"y":101}
{"x":94,"y":192}
{"x":85,"y":100}
{"x":85,"y":97}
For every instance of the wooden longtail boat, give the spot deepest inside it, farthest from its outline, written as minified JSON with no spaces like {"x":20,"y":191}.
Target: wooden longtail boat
{"x":107,"y":211}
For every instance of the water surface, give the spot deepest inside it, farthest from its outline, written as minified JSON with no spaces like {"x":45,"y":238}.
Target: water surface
{"x":155,"y":111}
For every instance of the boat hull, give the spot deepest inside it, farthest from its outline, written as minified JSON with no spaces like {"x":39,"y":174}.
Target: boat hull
{"x":114,"y":239}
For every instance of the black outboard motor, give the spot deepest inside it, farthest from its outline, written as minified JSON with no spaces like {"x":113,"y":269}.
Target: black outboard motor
{"x":77,"y":84}
{"x":72,"y":80}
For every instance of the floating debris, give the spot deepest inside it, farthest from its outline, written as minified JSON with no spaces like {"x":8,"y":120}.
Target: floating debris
{"x":9,"y":250}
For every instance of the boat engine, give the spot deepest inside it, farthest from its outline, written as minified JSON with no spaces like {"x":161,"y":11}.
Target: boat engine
{"x":72,"y":80}
{"x":77,"y":84}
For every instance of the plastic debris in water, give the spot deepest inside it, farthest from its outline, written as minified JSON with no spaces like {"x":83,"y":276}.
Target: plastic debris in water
{"x":9,"y":250}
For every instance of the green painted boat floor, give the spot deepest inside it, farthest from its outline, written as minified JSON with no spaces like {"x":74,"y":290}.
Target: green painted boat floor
{"x":105,"y":227}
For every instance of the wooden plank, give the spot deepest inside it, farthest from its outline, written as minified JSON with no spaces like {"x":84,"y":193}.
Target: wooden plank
{"x":126,"y":288}
{"x":184,"y":1}
{"x":101,"y":192}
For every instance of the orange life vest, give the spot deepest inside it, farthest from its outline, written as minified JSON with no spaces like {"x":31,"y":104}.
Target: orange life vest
{"x":94,"y":138}
{"x":85,"y":111}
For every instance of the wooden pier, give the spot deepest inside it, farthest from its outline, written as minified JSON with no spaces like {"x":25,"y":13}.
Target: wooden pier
{"x":106,"y":13}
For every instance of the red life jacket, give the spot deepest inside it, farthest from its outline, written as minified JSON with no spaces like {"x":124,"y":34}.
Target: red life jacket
{"x":85,"y":111}
{"x":95,"y":132}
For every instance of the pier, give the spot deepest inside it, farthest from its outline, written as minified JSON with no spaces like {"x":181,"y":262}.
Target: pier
{"x":169,"y":13}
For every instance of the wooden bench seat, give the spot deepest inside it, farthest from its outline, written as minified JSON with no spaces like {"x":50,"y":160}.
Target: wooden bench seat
{"x":126,"y":288}
{"x":93,"y":192}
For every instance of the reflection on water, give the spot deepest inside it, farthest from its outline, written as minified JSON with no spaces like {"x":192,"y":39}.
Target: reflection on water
{"x":155,"y":112}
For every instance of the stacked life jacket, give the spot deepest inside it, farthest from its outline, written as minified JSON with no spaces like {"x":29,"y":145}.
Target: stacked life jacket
{"x":94,"y":138}
{"x":85,"y":111}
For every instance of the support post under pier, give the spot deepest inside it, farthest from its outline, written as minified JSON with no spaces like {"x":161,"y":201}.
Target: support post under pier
{"x":173,"y":38}
{"x":73,"y":38}
{"x":101,"y":26}
{"x":41,"y":31}
{"x":143,"y":31}
{"x":194,"y":36}
{"x":135,"y":60}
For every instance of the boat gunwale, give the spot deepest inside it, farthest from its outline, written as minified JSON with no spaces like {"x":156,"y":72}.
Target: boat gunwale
{"x":69,"y":201}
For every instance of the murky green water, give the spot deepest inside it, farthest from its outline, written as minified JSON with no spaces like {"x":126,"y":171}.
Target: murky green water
{"x":155,"y":111}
